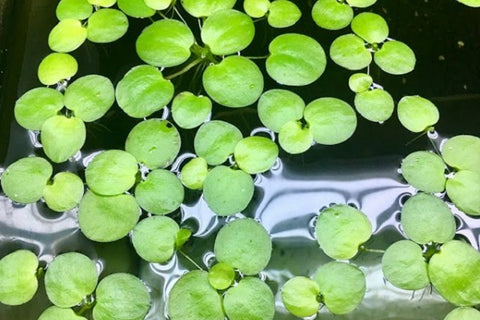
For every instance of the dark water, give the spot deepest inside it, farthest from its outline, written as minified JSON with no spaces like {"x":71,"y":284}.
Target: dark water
{"x":362,"y":172}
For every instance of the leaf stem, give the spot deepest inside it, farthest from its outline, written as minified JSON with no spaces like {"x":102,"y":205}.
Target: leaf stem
{"x":190,"y":259}
{"x":257,"y":58}
{"x":365,"y":249}
{"x":185,"y":69}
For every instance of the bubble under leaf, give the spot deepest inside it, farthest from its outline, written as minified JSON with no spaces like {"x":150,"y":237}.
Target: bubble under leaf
{"x":374,"y":105}
{"x":299,"y":296}
{"x":331,"y":14}
{"x":255,"y":154}
{"x":417,"y":113}
{"x":349,"y":51}
{"x":56,"y":67}
{"x":67,"y":35}
{"x":106,"y":25}
{"x":395,"y":57}
{"x":370,"y":26}
{"x":463,"y":189}
{"x":64,"y":193}
{"x":190,"y":111}
{"x":283,"y":14}
{"x":462,"y":152}
{"x":276,"y":107}
{"x":425,"y":171}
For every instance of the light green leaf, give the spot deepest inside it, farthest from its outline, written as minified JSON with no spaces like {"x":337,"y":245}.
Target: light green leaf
{"x":35,"y":106}
{"x":361,"y":3}
{"x":299,"y":296}
{"x":56,"y":313}
{"x":283,"y":14}
{"x":331,"y":14}
{"x":135,"y":8}
{"x":106,"y":25}
{"x":360,"y":82}
{"x":295,"y":138}
{"x":158,"y":4}
{"x":370,"y":26}
{"x":73,"y":9}
{"x":463,"y":313}
{"x":256,"y":8}
{"x":395,"y":57}
{"x":64,"y":193}
{"x":193,"y":173}
{"x":349,"y":51}
{"x":204,"y":8}
{"x":56,"y":67}
{"x":190,"y":111}
{"x":276,"y":107}
{"x":462,"y":152}
{"x":463,"y":189}
{"x":375,"y":105}
{"x":221,"y":276}
{"x":103,"y":3}
{"x":255,"y":154}
{"x":416,"y":113}
{"x":470,"y":3}
{"x":425,"y":171}
{"x":67,"y":35}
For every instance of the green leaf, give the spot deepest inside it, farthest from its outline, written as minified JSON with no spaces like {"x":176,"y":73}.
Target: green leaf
{"x":295,"y":59}
{"x":121,"y":296}
{"x":24,"y":180}
{"x":395,"y":57}
{"x":299,"y":296}
{"x":192,"y":298}
{"x":64,"y":193}
{"x":56,"y":67}
{"x":154,"y":142}
{"x":67,"y":35}
{"x":215,"y":141}
{"x":340,"y":230}
{"x":470,"y":3}
{"x":417,"y":114}
{"x":165,"y":43}
{"x":375,"y":105}
{"x":463,"y":313}
{"x":360,"y":82}
{"x":463,"y":189}
{"x":404,"y":266}
{"x":62,"y":137}
{"x":103,"y":3}
{"x":331,"y":14}
{"x":73,"y":9}
{"x":256,"y":8}
{"x":244,"y":244}
{"x":135,"y":8}
{"x":361,"y":3}
{"x":193,"y":173}
{"x":204,"y":8}
{"x":221,"y":276}
{"x":160,"y":193}
{"x":183,"y":235}
{"x":35,"y":106}
{"x":111,"y":172}
{"x":251,"y":298}
{"x":227,"y":31}
{"x":342,"y":286}
{"x":158,"y":4}
{"x":235,"y":82}
{"x":18,"y":277}
{"x":56,"y":313}
{"x":425,"y":171}
{"x":70,"y":277}
{"x":190,"y":111}
{"x":295,"y":138}
{"x":227,"y":191}
{"x":154,"y":238}
{"x":349,"y":51}
{"x":462,"y":152}
{"x":107,"y":218}
{"x":283,"y":14}
{"x":370,"y":26}
{"x":331,"y":120}
{"x":459,"y":288}
{"x":106,"y":25}
{"x":142,"y":91}
{"x":276,"y":107}
{"x":255,"y":154}
{"x":90,"y":97}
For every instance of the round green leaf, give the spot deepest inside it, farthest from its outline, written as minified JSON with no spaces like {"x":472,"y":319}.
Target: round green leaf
{"x":295,"y":59}
{"x":295,"y":138}
{"x":395,"y":57}
{"x":62,"y":137}
{"x":154,"y":142}
{"x":154,"y":238}
{"x":135,"y":8}
{"x":215,"y":141}
{"x":283,"y":14}
{"x":361,"y":3}
{"x":111,"y":172}
{"x":221,"y":276}
{"x":299,"y":296}
{"x":64,"y":193}
{"x":470,"y":3}
{"x":360,"y":82}
{"x":462,"y":152}
{"x":204,"y":8}
{"x":331,"y":120}
{"x":461,"y":288}
{"x":244,"y":244}
{"x":331,"y":14}
{"x":227,"y":31}
{"x":70,"y":277}
{"x":256,"y":8}
{"x":56,"y":67}
{"x":463,"y":189}
{"x":103,"y":3}
{"x":67,"y":35}
{"x":349,"y":51}
{"x":426,"y":218}
{"x":425,"y":171}
{"x":255,"y":154}
{"x":374,"y":105}
{"x":158,"y":4}
{"x":194,"y":173}
{"x":190,"y":111}
{"x":142,"y":91}
{"x":404,"y":266}
{"x":73,"y":9}
{"x":24,"y":180}
{"x":341,"y":229}
{"x":90,"y":97}
{"x":227,"y":191}
{"x":370,"y":26}
{"x":251,"y":298}
{"x":235,"y":82}
{"x":192,"y":298}
{"x":18,"y":277}
{"x":463,"y":313}
{"x":342,"y":286}
{"x":121,"y":296}
{"x":160,"y":193}
{"x":56,"y":313}
{"x":276,"y":107}
{"x":107,"y":218}
{"x":165,"y":43}
{"x":183,"y":235}
{"x":416,"y":113}
{"x":106,"y":25}
{"x":37,"y":105}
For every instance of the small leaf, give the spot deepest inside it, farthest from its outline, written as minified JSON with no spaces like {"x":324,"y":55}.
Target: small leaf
{"x":283,"y":14}
{"x":56,"y":67}
{"x":256,"y":8}
{"x":56,"y":313}
{"x":331,"y":14}
{"x":425,"y":171}
{"x":221,"y":276}
{"x":349,"y":51}
{"x":360,"y":82}
{"x":190,"y":111}
{"x":193,"y":173}
{"x":64,"y":193}
{"x":463,"y":189}
{"x":158,"y":4}
{"x":395,"y":57}
{"x":370,"y":26}
{"x":416,"y":113}
{"x":204,"y":8}
{"x":255,"y":154}
{"x":463,"y":313}
{"x":67,"y":35}
{"x":299,"y":296}
{"x":73,"y":9}
{"x":462,"y":152}
{"x":106,"y":25}
{"x":183,"y":235}
{"x":103,"y":3}
{"x":276,"y":107}
{"x":295,"y":138}
{"x":375,"y":105}
{"x":361,"y":3}
{"x":135,"y":8}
